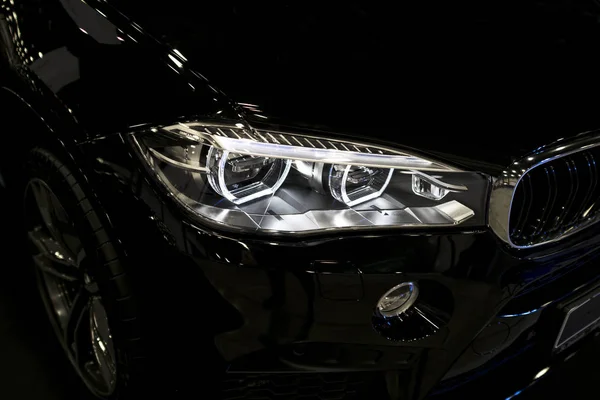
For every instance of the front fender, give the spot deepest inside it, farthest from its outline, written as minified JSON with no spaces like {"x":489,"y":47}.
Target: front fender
{"x":88,"y":71}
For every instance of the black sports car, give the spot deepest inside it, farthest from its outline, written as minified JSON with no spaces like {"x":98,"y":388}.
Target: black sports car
{"x":241,"y":200}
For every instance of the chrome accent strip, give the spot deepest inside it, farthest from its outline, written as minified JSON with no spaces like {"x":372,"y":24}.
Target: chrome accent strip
{"x":503,"y":188}
{"x":593,"y":181}
{"x":433,"y":180}
{"x":199,"y":131}
{"x":177,"y":163}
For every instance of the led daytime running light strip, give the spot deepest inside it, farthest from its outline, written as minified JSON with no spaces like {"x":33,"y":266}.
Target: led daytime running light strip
{"x":258,"y":148}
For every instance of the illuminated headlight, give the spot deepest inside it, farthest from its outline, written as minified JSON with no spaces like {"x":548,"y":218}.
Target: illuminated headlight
{"x":283,"y":182}
{"x":241,"y":178}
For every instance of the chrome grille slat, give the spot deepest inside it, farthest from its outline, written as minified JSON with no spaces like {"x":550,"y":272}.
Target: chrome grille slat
{"x":589,"y":188}
{"x":551,"y":179}
{"x":571,"y":193}
{"x":593,"y":200}
{"x":593,"y":179}
{"x":527,"y":196}
{"x":555,"y":198}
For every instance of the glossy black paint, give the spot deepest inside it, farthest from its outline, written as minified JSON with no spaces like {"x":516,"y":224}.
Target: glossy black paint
{"x":393,"y":76}
{"x":277,"y":305}
{"x":477,"y":82}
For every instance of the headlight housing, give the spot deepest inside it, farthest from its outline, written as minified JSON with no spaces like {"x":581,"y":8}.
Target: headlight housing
{"x":257,"y":180}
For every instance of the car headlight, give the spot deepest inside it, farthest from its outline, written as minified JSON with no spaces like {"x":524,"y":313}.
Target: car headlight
{"x":281,"y":182}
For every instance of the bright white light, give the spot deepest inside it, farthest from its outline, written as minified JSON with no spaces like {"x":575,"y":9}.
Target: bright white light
{"x":173,"y":68}
{"x":179,"y":54}
{"x":83,"y":30}
{"x":541,"y":373}
{"x":239,"y":125}
{"x":328,"y":156}
{"x":176,"y":61}
{"x":303,"y":167}
{"x":529,"y":158}
{"x":561,"y":148}
{"x":40,"y":54}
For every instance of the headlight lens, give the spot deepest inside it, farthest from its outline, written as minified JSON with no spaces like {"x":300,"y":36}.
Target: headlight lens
{"x":281,"y":182}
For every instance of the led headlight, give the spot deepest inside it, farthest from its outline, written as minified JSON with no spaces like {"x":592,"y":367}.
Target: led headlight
{"x":283,"y":182}
{"x":241,"y":178}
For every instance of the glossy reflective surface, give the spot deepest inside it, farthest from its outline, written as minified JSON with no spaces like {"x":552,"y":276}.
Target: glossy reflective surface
{"x":284,"y":299}
{"x":505,"y":80}
{"x":398,"y":299}
{"x":548,"y":194}
{"x":446,"y":110}
{"x":476,"y":82}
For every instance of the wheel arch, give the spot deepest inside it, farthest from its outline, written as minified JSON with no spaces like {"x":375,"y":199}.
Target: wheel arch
{"x":25,"y":127}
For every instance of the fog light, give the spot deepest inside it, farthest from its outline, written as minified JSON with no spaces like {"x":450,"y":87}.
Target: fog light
{"x":398,"y":300}
{"x":408,"y":312}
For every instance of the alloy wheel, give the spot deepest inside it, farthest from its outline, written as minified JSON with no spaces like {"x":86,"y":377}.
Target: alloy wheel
{"x":69,"y":291}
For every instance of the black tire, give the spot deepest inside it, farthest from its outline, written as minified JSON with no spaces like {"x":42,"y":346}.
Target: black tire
{"x":99,"y":264}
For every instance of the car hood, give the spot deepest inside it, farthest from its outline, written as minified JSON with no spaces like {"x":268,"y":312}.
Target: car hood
{"x":475,"y":85}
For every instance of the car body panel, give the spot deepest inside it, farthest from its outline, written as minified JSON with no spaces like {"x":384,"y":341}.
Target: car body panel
{"x":102,"y":77}
{"x":476,"y":82}
{"x":94,"y":72}
{"x":413,"y":102}
{"x":284,"y":304}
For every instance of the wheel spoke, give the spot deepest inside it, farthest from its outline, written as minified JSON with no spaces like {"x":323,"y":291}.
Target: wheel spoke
{"x":102,"y":342}
{"x":72,"y":295}
{"x":56,"y":220}
{"x":50,"y":248}
{"x":45,"y":204}
{"x":75,"y":322}
{"x":47,"y":267}
{"x":52,"y":259}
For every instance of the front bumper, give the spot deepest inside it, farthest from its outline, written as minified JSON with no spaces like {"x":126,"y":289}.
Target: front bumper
{"x":297,"y":316}
{"x":524,"y":374}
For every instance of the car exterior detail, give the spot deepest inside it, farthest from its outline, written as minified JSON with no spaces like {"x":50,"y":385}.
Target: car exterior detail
{"x":284,"y":201}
